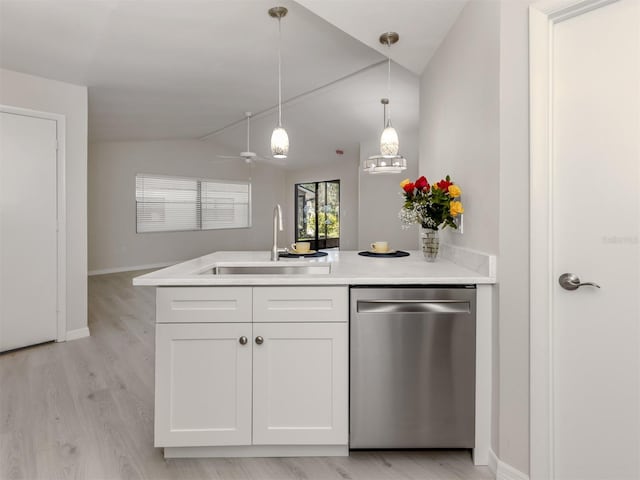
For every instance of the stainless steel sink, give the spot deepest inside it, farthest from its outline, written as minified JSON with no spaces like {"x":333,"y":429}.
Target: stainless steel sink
{"x":277,"y":269}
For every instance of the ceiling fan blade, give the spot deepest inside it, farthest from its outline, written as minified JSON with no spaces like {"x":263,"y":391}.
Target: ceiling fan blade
{"x":229,"y":156}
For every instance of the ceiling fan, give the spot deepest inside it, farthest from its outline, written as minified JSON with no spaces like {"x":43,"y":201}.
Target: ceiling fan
{"x":247,"y":156}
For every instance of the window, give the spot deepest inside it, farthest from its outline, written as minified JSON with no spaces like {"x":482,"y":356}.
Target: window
{"x":168,"y":204}
{"x":318,"y":213}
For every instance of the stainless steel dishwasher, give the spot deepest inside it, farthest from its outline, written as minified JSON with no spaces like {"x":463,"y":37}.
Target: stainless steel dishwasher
{"x":412,"y":371}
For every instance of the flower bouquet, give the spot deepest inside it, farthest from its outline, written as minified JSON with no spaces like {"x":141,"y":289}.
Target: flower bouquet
{"x":430,"y":206}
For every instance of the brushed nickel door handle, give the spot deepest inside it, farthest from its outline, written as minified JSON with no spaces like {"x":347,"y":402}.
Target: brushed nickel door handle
{"x":570,"y":281}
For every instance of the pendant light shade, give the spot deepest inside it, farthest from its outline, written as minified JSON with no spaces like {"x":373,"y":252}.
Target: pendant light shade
{"x":389,"y":160}
{"x":389,"y":144}
{"x":378,"y":164}
{"x":279,"y":143}
{"x":279,"y":137}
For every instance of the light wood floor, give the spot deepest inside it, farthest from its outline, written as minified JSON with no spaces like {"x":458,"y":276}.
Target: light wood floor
{"x":84,"y":410}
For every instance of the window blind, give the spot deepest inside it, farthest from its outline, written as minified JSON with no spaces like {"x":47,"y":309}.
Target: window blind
{"x":165,"y":204}
{"x":224,"y":205}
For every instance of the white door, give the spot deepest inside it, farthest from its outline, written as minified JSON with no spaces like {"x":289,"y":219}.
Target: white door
{"x":203,"y":384}
{"x":300,"y":384}
{"x":28,"y":237}
{"x":594,"y":219}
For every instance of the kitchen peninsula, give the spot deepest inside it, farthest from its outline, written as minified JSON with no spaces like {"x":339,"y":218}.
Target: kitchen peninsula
{"x":256,"y":362}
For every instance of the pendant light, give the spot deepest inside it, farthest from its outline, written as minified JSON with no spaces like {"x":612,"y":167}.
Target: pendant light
{"x":389,"y":161}
{"x":279,"y":137}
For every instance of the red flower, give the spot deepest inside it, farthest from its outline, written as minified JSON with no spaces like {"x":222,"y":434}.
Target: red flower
{"x":422,"y":183}
{"x":408,"y":187}
{"x":444,"y":185}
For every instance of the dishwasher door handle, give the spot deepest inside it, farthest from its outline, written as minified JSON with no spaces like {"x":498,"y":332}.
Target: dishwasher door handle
{"x":413,"y":306}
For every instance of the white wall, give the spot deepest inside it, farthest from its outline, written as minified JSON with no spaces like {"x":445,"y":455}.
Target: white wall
{"x":344,"y":170}
{"x":36,"y":93}
{"x":113,"y":241}
{"x":459,"y":121}
{"x":474,"y":124}
{"x":380,"y":199}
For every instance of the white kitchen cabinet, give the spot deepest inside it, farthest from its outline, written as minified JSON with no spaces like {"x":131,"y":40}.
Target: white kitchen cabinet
{"x":203,"y":384}
{"x":285,"y":388}
{"x":300,"y":384}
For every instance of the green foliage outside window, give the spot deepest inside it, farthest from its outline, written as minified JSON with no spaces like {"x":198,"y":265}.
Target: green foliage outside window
{"x":318,"y":213}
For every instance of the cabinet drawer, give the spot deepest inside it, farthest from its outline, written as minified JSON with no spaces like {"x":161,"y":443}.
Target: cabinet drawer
{"x":203,"y":304}
{"x":300,"y":304}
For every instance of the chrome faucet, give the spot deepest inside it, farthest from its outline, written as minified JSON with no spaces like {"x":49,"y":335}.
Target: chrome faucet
{"x":277,"y":226}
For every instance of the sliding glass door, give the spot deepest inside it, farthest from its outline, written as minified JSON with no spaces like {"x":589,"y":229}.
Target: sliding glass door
{"x":318,"y":213}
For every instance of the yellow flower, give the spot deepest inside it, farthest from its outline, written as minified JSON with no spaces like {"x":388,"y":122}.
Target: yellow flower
{"x":455,"y":208}
{"x":404,"y":182}
{"x":454,"y":191}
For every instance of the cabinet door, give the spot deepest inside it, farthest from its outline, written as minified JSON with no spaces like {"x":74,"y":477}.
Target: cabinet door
{"x":300,"y":386}
{"x":203,"y":385}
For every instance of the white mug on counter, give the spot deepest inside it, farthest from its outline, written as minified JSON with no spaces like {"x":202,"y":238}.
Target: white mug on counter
{"x":380,"y":247}
{"x":301,"y":247}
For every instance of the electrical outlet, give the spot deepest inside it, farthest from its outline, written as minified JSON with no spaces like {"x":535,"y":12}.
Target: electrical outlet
{"x":459,"y":221}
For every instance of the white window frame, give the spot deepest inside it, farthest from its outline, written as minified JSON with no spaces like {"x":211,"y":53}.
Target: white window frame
{"x":199,"y":181}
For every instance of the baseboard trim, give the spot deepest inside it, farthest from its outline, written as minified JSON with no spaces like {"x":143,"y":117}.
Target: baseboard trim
{"x":493,"y":462}
{"x":78,"y":333}
{"x":258,"y":451}
{"x":504,"y":471}
{"x":104,"y":271}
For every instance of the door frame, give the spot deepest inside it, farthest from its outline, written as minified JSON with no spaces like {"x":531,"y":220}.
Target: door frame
{"x":316,"y":243}
{"x":61,"y":224}
{"x":543,"y":16}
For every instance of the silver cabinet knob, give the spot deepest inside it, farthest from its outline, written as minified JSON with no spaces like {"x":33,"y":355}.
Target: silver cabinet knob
{"x":570,"y":281}
{"x":243,"y":340}
{"x":259,"y":340}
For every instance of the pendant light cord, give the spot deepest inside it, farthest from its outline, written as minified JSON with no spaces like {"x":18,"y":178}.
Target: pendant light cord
{"x":279,"y":73}
{"x":388,"y":121}
{"x":248,"y":132}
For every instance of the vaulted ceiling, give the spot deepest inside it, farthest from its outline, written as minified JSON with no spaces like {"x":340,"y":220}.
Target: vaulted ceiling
{"x":187,"y":68}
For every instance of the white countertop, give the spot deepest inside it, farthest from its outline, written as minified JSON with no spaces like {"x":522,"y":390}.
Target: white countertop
{"x":347,"y":268}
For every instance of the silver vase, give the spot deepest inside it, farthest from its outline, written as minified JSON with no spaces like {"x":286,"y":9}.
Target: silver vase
{"x":430,"y":244}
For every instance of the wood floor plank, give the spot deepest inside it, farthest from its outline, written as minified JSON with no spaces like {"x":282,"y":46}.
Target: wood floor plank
{"x":84,"y":410}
